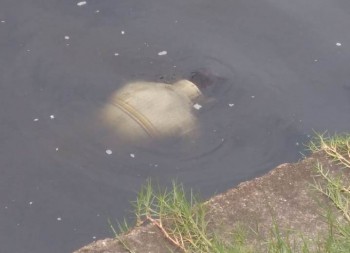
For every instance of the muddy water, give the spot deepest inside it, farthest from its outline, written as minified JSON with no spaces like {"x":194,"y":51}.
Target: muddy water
{"x":283,"y":68}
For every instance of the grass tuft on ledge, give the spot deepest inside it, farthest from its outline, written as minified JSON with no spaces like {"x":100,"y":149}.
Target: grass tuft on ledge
{"x":181,"y":219}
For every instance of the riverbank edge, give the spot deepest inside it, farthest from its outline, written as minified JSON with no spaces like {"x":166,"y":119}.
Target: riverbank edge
{"x":283,"y":196}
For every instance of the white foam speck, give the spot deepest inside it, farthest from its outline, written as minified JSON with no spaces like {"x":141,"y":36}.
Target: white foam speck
{"x":97,"y":11}
{"x":94,"y":237}
{"x":52,"y":116}
{"x":59,"y":218}
{"x":197,"y":106}
{"x":161,"y":53}
{"x":122,"y":32}
{"x":132,"y":155}
{"x":81,"y":3}
{"x":57,"y":149}
{"x":116,"y":54}
{"x":3,"y":21}
{"x":66,"y":37}
{"x":315,"y":60}
{"x":338,"y":44}
{"x":109,"y":152}
{"x":36,"y":119}
{"x":231,"y":105}
{"x":252,"y":96}
{"x":30,"y":203}
{"x":28,"y":50}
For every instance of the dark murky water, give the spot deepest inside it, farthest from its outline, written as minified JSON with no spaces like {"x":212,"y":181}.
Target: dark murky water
{"x":283,"y":74}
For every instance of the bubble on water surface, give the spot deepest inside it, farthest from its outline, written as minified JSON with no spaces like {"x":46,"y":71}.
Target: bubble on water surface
{"x":197,"y":106}
{"x":81,"y":3}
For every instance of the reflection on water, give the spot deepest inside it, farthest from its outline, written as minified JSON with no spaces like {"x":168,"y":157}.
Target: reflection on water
{"x":278,"y":74}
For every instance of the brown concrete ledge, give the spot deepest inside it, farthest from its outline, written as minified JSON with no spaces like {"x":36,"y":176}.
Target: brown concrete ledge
{"x":283,"y":195}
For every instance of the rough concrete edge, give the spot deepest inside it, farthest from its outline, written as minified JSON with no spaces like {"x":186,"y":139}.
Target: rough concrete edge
{"x":148,"y":238}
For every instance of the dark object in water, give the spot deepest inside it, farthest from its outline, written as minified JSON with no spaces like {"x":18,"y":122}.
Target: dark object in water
{"x":206,"y":81}
{"x":202,"y":78}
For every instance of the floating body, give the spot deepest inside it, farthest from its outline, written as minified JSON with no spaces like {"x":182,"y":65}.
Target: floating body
{"x":142,"y":111}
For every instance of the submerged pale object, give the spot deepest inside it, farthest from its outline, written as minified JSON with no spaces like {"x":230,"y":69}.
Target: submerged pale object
{"x":142,"y":111}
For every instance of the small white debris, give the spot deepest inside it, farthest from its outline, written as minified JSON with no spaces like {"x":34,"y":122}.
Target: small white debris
{"x":30,"y":203}
{"x":197,"y":106}
{"x":315,"y":60}
{"x":66,"y":37}
{"x":231,"y":105}
{"x":81,"y":3}
{"x":57,"y":149}
{"x":297,"y":144}
{"x":132,"y":155}
{"x":36,"y":119}
{"x":52,"y":116}
{"x":3,"y":21}
{"x":161,"y":53}
{"x":122,"y":32}
{"x":28,"y":50}
{"x":97,"y":11}
{"x":109,"y":152}
{"x":94,"y":237}
{"x":116,"y":54}
{"x":252,"y":96}
{"x":338,"y":44}
{"x":6,"y":207}
{"x":59,"y":218}
{"x":156,"y":165}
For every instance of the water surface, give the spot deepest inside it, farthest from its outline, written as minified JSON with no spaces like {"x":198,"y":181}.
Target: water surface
{"x":284,"y":68}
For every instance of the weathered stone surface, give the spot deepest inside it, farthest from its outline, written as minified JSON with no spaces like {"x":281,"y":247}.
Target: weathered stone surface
{"x":141,"y":239}
{"x":283,"y":196}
